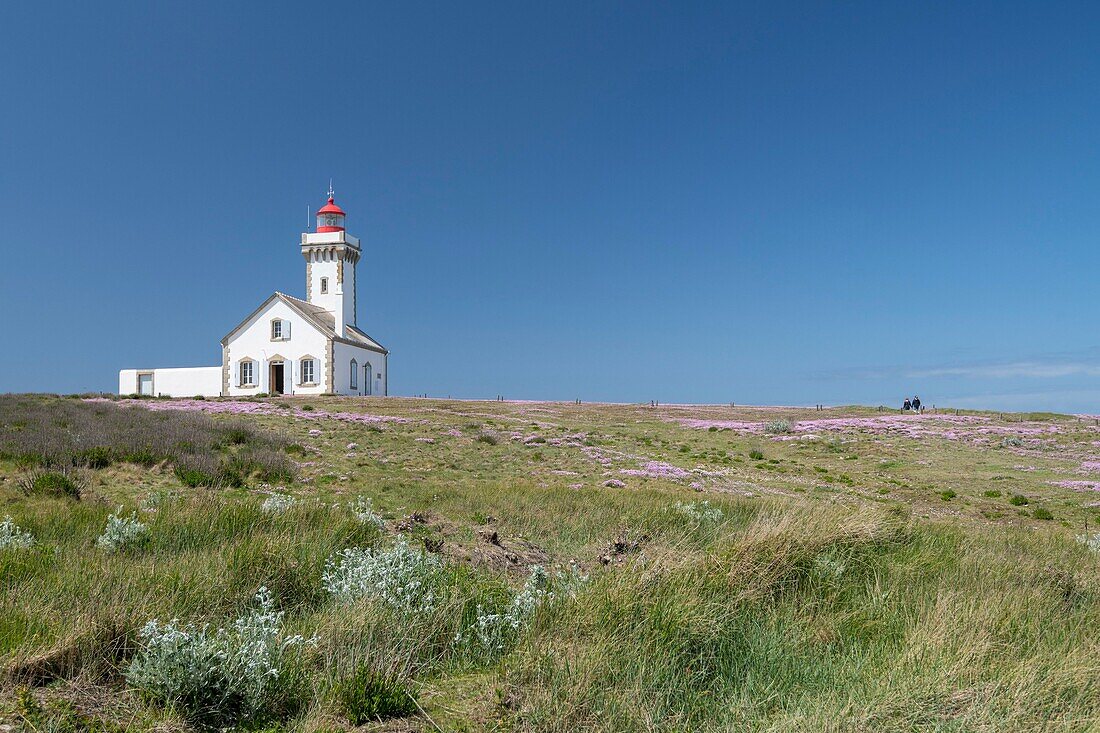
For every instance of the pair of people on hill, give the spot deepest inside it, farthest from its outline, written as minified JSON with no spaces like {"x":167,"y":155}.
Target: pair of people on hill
{"x":911,"y":404}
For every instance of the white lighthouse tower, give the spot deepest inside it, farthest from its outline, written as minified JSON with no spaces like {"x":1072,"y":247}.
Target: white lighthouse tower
{"x":331,"y":256}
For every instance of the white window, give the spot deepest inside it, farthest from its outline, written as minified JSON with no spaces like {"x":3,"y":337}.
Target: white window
{"x":280,"y":330}
{"x":308,"y":373}
{"x":324,"y":285}
{"x":248,"y":374}
{"x":354,"y":374}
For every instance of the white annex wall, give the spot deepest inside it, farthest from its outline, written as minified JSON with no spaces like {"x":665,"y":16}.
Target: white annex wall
{"x":253,"y":341}
{"x":175,"y":382}
{"x":343,"y":354}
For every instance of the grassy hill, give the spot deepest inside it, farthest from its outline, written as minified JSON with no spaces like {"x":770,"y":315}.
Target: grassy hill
{"x":401,"y":565}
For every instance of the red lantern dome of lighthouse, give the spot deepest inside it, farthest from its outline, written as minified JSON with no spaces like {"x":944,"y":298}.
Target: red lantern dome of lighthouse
{"x":330,"y":217}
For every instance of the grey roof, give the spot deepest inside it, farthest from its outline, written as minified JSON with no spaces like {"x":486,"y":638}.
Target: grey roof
{"x":320,"y":319}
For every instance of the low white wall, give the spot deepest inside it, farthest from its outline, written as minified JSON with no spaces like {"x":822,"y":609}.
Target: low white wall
{"x":177,"y":382}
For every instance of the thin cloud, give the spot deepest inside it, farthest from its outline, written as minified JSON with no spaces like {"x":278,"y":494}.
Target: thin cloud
{"x":1010,"y":370}
{"x":1052,"y":367}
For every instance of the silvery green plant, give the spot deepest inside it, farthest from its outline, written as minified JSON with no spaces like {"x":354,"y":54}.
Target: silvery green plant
{"x":122,"y":532}
{"x":1090,"y":541}
{"x":400,"y":577}
{"x":222,"y":676}
{"x":699,"y":511}
{"x":363,"y":509}
{"x":494,"y":632}
{"x":778,"y":427}
{"x":14,"y":537}
{"x":829,"y":565}
{"x":278,"y":503}
{"x":155,"y":501}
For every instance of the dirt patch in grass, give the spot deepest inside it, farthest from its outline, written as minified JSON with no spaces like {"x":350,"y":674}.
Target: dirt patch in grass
{"x":627,"y":542}
{"x":482,"y":546}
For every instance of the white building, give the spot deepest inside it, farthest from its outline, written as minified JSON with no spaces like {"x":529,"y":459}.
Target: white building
{"x":289,"y":345}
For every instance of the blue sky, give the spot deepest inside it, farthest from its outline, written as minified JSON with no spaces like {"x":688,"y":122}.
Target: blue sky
{"x":769,"y":203}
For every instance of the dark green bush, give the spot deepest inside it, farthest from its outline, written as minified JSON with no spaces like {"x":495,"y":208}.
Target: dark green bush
{"x":236,"y":434}
{"x":62,"y":483}
{"x":371,"y":696}
{"x":1018,"y":500}
{"x":756,"y":455}
{"x":206,"y":470}
{"x":96,"y":458}
{"x":948,"y":495}
{"x":1042,"y":513}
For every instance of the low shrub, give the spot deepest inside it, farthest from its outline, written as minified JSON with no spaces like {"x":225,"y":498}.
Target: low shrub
{"x":1018,"y":500}
{"x":243,"y":674}
{"x":199,"y":470}
{"x":269,"y":465}
{"x":369,"y":695}
{"x":363,"y":509}
{"x":14,"y":537}
{"x":65,"y":483}
{"x":1042,"y":513}
{"x":278,"y":503}
{"x":122,"y":533}
{"x":948,"y":495}
{"x":699,"y":512}
{"x":992,"y":493}
{"x":95,"y":458}
{"x":57,"y":433}
{"x":400,"y":577}
{"x":779,"y":427}
{"x":496,"y":631}
{"x":236,"y":434}
{"x":756,"y":455}
{"x":1090,"y":541}
{"x":488,"y":437}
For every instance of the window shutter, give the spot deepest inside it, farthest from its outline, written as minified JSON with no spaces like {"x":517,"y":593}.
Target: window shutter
{"x":286,"y":329}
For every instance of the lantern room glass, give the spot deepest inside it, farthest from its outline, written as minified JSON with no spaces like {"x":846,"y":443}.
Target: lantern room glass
{"x":330,"y":220}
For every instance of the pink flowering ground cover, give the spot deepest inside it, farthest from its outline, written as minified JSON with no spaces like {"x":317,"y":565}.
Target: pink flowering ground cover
{"x":950,"y":427}
{"x":240,"y":407}
{"x":657,"y":469}
{"x":1077,"y":485}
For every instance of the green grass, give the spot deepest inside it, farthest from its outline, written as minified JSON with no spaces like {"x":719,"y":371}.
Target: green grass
{"x":816,"y":601}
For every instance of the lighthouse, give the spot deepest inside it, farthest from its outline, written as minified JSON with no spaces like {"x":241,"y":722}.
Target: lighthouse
{"x":289,"y":345}
{"x":331,"y":256}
